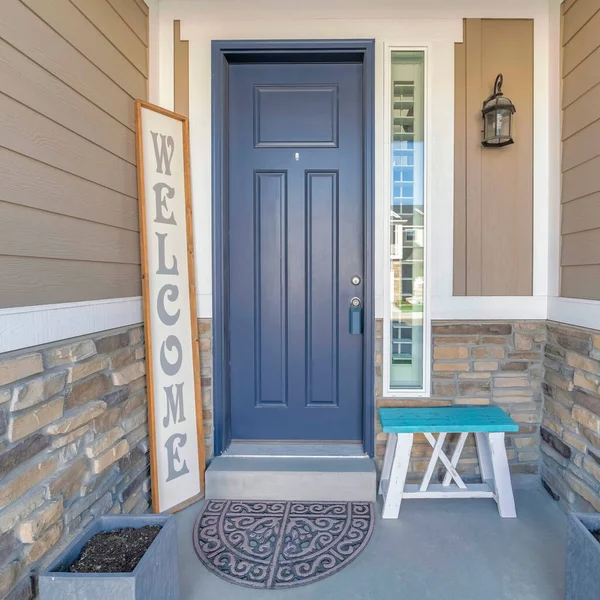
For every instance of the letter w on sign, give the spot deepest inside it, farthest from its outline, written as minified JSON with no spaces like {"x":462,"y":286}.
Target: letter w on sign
{"x":162,"y":160}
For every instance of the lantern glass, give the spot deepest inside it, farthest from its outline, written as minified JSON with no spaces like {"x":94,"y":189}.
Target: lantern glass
{"x":503,"y":121}
{"x":497,"y":127}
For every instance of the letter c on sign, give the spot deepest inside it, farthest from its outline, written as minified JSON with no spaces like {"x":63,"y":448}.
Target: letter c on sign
{"x":171,"y":343}
{"x":172,"y":291}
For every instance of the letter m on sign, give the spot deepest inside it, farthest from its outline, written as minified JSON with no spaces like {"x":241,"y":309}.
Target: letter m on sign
{"x":163,"y":152}
{"x":174,"y":405}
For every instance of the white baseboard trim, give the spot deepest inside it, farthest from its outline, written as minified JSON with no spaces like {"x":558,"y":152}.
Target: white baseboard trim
{"x":27,"y":326}
{"x":478,"y":308}
{"x":24,"y":327}
{"x":583,"y":313}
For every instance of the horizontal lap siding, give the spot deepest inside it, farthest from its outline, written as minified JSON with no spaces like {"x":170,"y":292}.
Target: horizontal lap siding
{"x":32,"y":183}
{"x":581,"y":281}
{"x":69,"y":73}
{"x":136,"y":19}
{"x":47,"y":279}
{"x":64,"y":237}
{"x":580,"y":252}
{"x":75,"y":28}
{"x":36,"y":88}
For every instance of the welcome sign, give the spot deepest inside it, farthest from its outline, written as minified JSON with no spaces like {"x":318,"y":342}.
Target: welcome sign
{"x":171,"y":329}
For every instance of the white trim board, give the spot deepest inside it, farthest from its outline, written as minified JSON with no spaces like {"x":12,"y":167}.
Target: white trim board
{"x":212,"y":10}
{"x":28,"y":326}
{"x":481,"y":308}
{"x":583,"y":313}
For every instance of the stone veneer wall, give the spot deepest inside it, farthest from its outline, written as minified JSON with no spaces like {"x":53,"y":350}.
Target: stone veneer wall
{"x":73,"y":445}
{"x":477,"y":363}
{"x":571,"y":426}
{"x":206,"y":363}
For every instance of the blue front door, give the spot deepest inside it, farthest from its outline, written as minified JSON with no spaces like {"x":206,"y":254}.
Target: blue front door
{"x":295,"y":154}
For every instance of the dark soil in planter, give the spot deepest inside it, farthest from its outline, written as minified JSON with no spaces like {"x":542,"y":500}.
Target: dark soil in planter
{"x":115,"y":551}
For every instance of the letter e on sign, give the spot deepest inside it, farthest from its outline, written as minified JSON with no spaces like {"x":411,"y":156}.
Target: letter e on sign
{"x":170,"y":321}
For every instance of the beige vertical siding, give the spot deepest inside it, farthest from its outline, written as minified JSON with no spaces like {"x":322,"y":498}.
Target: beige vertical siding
{"x":580,"y":233}
{"x":493,"y":192}
{"x":181,"y":55}
{"x":69,"y":73}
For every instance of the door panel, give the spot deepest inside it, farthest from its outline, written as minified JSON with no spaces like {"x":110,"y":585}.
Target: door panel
{"x":321,"y":288}
{"x":295,"y":241}
{"x":315,"y":111}
{"x":270,"y":250}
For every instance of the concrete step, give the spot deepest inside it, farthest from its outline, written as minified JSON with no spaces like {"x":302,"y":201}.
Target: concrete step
{"x":296,"y":449}
{"x":291,"y":478}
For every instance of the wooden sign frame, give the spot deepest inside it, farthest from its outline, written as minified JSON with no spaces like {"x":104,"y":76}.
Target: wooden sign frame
{"x":157,"y":503}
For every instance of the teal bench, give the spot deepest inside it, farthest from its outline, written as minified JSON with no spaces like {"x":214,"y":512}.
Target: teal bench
{"x":487,"y":423}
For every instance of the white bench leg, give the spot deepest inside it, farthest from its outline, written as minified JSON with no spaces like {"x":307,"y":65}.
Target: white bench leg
{"x":483,"y":454}
{"x":387,"y":460}
{"x":399,"y":469}
{"x":504,"y":491}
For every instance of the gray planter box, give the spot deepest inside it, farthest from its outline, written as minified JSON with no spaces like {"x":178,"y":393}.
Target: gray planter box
{"x":583,"y":557}
{"x":156,"y":576}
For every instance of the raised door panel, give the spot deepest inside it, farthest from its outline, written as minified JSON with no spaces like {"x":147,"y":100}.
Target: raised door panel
{"x":296,"y":116}
{"x":322,"y":216}
{"x":270,"y":288}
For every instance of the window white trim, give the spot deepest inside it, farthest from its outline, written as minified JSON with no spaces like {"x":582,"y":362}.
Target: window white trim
{"x":28,"y":326}
{"x":388,"y":48}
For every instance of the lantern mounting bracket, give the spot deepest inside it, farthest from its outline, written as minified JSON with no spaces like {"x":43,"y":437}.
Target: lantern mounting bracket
{"x":497,"y":89}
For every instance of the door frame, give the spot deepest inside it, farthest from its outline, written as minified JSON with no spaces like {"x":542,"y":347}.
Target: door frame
{"x":225,"y":53}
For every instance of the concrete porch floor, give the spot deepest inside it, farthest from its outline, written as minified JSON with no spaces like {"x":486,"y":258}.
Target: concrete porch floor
{"x":451,"y":549}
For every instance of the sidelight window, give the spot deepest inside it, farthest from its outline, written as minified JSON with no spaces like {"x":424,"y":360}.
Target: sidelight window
{"x":405,"y":336}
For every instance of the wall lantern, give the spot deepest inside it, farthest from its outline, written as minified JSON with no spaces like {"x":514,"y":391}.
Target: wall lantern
{"x":497,"y":114}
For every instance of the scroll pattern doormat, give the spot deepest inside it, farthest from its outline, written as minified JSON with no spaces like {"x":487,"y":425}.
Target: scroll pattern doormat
{"x":281,"y":544}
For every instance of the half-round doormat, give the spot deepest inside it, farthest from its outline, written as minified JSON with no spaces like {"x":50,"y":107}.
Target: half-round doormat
{"x":281,"y":544}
